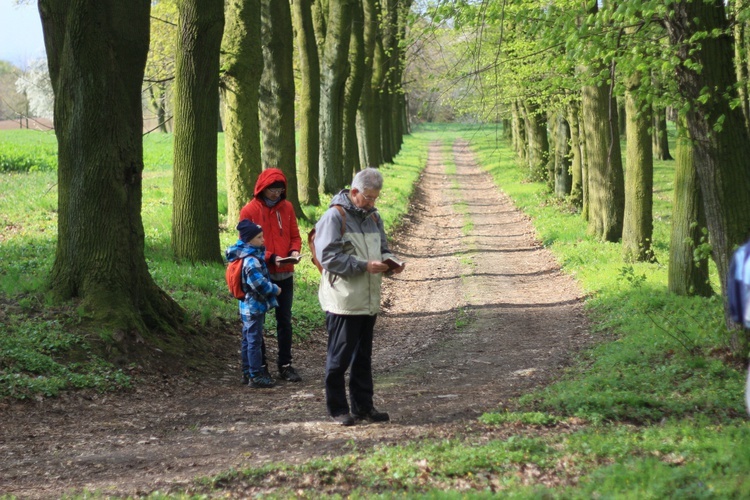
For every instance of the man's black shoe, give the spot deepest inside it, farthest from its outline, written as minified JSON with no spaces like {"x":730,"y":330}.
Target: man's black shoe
{"x":245,"y":379}
{"x":373,"y":416}
{"x":344,"y":419}
{"x":287,"y":372}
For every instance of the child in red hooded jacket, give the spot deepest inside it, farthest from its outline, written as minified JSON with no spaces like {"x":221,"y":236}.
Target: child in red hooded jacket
{"x":270,"y":209}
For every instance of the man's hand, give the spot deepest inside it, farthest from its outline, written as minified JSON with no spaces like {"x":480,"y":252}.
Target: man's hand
{"x":279,"y":291}
{"x":375,"y":267}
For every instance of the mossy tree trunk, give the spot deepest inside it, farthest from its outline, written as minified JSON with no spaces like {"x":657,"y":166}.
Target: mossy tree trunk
{"x":576,"y":156}
{"x":368,"y":126}
{"x":277,"y":128}
{"x":519,"y":130}
{"x":96,"y":54}
{"x":606,"y":186}
{"x":740,"y":56}
{"x":309,"y":103}
{"x":333,"y":74}
{"x":563,"y":178}
{"x":685,"y":275}
{"x":638,"y":224}
{"x":241,"y":67}
{"x":660,"y":139}
{"x":538,"y":141}
{"x":353,"y":92}
{"x":722,"y":145}
{"x":195,"y":225}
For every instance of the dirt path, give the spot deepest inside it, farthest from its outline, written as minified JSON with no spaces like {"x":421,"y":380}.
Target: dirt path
{"x":481,"y":314}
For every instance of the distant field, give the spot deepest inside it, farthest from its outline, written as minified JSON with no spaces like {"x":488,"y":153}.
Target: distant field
{"x":31,"y":123}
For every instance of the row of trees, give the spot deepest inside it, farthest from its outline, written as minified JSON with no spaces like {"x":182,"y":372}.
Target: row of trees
{"x":560,"y":75}
{"x":237,"y":54}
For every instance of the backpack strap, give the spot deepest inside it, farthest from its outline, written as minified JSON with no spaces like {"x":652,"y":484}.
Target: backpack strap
{"x":343,"y":218}
{"x":243,"y":284}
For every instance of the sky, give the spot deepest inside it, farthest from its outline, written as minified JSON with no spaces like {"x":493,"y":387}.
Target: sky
{"x":21,"y":39}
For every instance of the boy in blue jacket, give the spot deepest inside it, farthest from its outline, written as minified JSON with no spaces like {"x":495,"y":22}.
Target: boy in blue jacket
{"x":260,"y":297}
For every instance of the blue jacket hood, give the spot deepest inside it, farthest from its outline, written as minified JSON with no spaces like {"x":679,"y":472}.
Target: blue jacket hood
{"x":240,"y":250}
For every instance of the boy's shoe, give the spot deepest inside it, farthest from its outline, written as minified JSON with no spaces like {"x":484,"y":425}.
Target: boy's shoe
{"x":373,"y":416}
{"x":261,"y":381}
{"x":245,"y":379}
{"x":344,"y":419}
{"x":287,"y":372}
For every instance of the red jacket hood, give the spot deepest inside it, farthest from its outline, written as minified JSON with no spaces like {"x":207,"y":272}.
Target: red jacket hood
{"x":268,"y":177}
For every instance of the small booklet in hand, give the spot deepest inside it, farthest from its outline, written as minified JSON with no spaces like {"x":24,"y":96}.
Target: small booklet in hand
{"x":290,"y":259}
{"x":393,"y":263}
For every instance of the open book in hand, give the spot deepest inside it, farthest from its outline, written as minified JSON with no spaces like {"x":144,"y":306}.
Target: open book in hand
{"x":393,"y":263}
{"x":290,"y":260}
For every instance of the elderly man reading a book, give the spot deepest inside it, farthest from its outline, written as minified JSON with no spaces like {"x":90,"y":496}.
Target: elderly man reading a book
{"x":352,"y":248}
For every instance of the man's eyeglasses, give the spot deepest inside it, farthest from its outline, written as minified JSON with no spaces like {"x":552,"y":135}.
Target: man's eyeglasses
{"x":276,"y":190}
{"x":371,"y":199}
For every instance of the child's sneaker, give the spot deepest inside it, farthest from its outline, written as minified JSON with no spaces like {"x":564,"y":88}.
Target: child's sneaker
{"x":262,"y":381}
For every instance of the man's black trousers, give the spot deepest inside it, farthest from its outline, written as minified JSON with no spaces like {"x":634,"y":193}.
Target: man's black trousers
{"x":349,"y":345}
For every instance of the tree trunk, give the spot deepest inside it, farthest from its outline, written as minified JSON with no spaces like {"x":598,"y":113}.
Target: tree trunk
{"x":519,"y":131}
{"x":309,"y":103}
{"x":740,"y":57}
{"x":606,"y":189}
{"x":195,"y":225}
{"x":277,"y":95}
{"x":660,"y":139}
{"x":576,"y":165}
{"x":563,"y":178}
{"x":333,"y":74}
{"x":353,"y":91}
{"x":722,"y":145}
{"x":685,"y":276}
{"x":368,"y":124}
{"x":96,"y":54}
{"x":638,"y":224}
{"x":241,"y":66}
{"x":538,"y":145}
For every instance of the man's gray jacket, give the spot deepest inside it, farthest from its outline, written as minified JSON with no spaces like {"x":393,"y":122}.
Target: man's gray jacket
{"x":345,"y":285}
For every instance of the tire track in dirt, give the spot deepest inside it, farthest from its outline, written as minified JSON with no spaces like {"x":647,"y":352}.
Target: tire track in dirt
{"x":472,"y":260}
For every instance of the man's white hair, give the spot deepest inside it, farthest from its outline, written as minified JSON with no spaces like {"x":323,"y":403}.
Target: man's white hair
{"x":369,"y":178}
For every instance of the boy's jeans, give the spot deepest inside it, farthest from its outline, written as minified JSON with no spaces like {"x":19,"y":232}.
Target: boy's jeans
{"x":252,"y":340}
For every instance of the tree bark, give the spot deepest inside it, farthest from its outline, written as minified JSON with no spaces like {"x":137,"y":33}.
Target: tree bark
{"x":277,"y":128}
{"x":368,"y":116}
{"x":638,"y":224}
{"x":96,"y":54}
{"x":576,"y":165}
{"x":519,"y":131}
{"x":241,"y":67}
{"x":195,"y":225}
{"x":309,"y":103}
{"x":722,"y":145}
{"x":660,"y":139}
{"x":333,"y":74}
{"x":740,"y":57}
{"x":606,"y":187}
{"x":538,"y":142}
{"x":353,"y":92}
{"x":685,"y":275}
{"x":563,"y":178}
